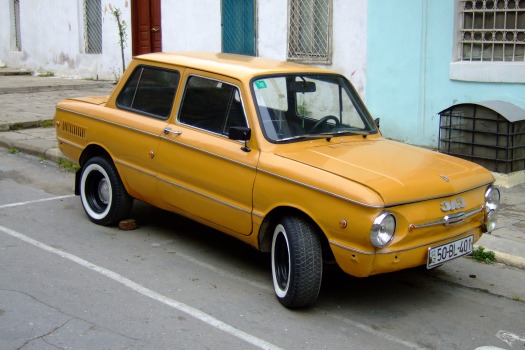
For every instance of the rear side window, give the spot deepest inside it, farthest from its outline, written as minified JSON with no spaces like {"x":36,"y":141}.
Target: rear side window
{"x":212,"y":105}
{"x":150,"y":91}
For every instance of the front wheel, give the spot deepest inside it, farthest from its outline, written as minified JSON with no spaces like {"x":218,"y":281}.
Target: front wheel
{"x":296,"y":262}
{"x":103,"y":195}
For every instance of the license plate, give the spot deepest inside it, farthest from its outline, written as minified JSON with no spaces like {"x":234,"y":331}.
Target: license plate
{"x":448,"y":251}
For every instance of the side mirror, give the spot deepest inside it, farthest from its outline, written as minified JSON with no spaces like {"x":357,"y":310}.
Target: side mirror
{"x":240,"y":133}
{"x":377,"y":122}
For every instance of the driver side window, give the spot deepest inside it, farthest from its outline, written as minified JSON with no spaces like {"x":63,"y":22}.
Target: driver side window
{"x":212,"y":105}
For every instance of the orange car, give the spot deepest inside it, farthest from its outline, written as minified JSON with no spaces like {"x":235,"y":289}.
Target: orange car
{"x":282,"y":156}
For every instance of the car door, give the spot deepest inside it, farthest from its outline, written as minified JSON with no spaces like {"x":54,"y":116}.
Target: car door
{"x":141,"y":113}
{"x":200,"y":170}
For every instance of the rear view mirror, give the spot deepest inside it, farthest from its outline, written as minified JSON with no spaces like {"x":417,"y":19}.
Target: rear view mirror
{"x":240,"y":133}
{"x":302,"y":86}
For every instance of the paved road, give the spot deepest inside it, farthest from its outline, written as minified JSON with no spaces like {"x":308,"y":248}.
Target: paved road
{"x":173,"y":284}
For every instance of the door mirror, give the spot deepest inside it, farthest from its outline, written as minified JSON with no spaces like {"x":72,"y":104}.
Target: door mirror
{"x":240,"y":133}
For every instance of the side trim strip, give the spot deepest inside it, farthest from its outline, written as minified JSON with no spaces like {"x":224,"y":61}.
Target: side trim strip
{"x":135,"y":168}
{"x":320,"y":190}
{"x":182,"y":144}
{"x":69,"y":143}
{"x":205,"y":195}
{"x":109,"y":122}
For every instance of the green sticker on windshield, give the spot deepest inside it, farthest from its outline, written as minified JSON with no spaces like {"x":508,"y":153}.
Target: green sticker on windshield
{"x":261,"y":84}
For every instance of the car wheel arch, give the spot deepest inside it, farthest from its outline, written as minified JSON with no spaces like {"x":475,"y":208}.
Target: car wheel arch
{"x":267,"y":228}
{"x":89,"y":152}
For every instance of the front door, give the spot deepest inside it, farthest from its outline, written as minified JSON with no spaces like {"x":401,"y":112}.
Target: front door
{"x":202,"y":172}
{"x":146,"y":26}
{"x":238,"y":26}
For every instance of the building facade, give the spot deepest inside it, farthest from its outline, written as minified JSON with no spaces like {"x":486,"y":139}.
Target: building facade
{"x":424,"y":56}
{"x":408,"y":59}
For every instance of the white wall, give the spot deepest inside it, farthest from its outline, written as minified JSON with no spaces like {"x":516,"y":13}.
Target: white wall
{"x":52,"y":35}
{"x":189,"y":25}
{"x":53,"y":39}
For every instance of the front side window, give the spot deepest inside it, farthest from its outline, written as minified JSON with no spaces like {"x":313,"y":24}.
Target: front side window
{"x":150,"y":91}
{"x":310,"y":31}
{"x":301,"y":107}
{"x":212,"y":105}
{"x":492,"y":30}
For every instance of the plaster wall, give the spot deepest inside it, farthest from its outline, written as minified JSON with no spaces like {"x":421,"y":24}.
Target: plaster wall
{"x":53,"y":39}
{"x":189,"y":25}
{"x":53,"y":36}
{"x":349,"y":36}
{"x":410,"y":50}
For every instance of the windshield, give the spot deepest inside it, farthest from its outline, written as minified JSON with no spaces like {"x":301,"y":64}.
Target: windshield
{"x":297,"y":107}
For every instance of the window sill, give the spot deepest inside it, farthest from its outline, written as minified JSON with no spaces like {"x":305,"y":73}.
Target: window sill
{"x":488,"y":72}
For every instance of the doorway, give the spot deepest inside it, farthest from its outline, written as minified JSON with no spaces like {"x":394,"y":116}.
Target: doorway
{"x":146,"y":29}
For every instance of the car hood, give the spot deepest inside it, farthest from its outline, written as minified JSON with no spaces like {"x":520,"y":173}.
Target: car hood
{"x":399,"y":173}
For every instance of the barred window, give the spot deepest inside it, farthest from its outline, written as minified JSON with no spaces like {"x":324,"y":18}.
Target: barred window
{"x":492,"y":30}
{"x":93,"y":26}
{"x":310,"y":31}
{"x":16,"y":25}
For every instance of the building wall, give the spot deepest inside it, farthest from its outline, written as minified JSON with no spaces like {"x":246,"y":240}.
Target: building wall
{"x":53,"y":39}
{"x":409,"y":55}
{"x":52,"y":36}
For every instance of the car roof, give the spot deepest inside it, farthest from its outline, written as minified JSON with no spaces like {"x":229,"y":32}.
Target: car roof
{"x":233,"y":65}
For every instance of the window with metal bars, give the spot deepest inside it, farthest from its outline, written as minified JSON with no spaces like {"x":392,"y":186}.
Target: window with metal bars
{"x":16,"y":25}
{"x":93,"y":26}
{"x":492,"y":30}
{"x":310,"y":31}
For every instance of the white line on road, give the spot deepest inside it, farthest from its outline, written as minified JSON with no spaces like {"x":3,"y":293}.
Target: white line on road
{"x":35,"y":201}
{"x":196,"y":313}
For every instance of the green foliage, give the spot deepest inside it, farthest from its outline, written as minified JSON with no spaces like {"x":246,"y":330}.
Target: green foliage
{"x":67,"y":165}
{"x":486,"y":257}
{"x":122,"y":32}
{"x":47,"y":74}
{"x":46,"y":124}
{"x":12,"y":150}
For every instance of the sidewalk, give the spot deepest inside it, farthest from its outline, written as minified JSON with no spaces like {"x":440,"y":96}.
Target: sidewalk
{"x":28,"y":103}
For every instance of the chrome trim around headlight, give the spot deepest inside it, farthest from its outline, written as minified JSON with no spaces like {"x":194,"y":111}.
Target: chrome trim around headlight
{"x":492,"y":201}
{"x":383,"y":229}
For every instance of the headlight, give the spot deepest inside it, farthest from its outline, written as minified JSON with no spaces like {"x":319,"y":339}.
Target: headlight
{"x":383,"y":230}
{"x":492,"y":197}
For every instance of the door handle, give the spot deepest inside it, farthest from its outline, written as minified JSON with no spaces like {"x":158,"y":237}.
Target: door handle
{"x":168,"y":131}
{"x":154,"y":29}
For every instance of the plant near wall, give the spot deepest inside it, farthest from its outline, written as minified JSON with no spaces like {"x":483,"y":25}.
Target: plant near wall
{"x":122,"y":33}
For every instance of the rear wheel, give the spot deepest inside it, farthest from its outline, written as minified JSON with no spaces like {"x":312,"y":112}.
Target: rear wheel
{"x":296,"y":262}
{"x":103,"y":195}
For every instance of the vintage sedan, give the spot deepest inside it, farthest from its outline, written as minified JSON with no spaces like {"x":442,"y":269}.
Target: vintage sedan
{"x":282,"y":156}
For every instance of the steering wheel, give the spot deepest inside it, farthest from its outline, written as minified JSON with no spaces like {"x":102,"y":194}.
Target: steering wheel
{"x":322,"y":121}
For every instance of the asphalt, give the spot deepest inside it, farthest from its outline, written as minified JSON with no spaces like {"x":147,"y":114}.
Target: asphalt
{"x":27,"y":105}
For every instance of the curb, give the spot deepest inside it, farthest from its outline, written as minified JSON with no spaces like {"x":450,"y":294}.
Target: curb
{"x":510,"y":260}
{"x":47,"y":88}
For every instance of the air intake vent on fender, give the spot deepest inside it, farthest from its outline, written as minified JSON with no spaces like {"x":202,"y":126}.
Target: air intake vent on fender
{"x":73,"y":129}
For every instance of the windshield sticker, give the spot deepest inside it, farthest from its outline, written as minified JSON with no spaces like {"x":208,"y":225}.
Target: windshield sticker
{"x":261,"y":84}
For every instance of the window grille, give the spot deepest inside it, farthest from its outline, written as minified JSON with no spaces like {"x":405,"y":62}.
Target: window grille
{"x":310,"y":31}
{"x":492,"y":30}
{"x":93,"y":26}
{"x":16,"y":23}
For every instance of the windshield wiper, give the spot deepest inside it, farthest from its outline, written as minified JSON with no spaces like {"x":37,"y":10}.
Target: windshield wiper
{"x":307,"y":136}
{"x":353,"y":132}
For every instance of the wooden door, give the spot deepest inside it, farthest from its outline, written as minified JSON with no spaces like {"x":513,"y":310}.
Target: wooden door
{"x":146,"y":26}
